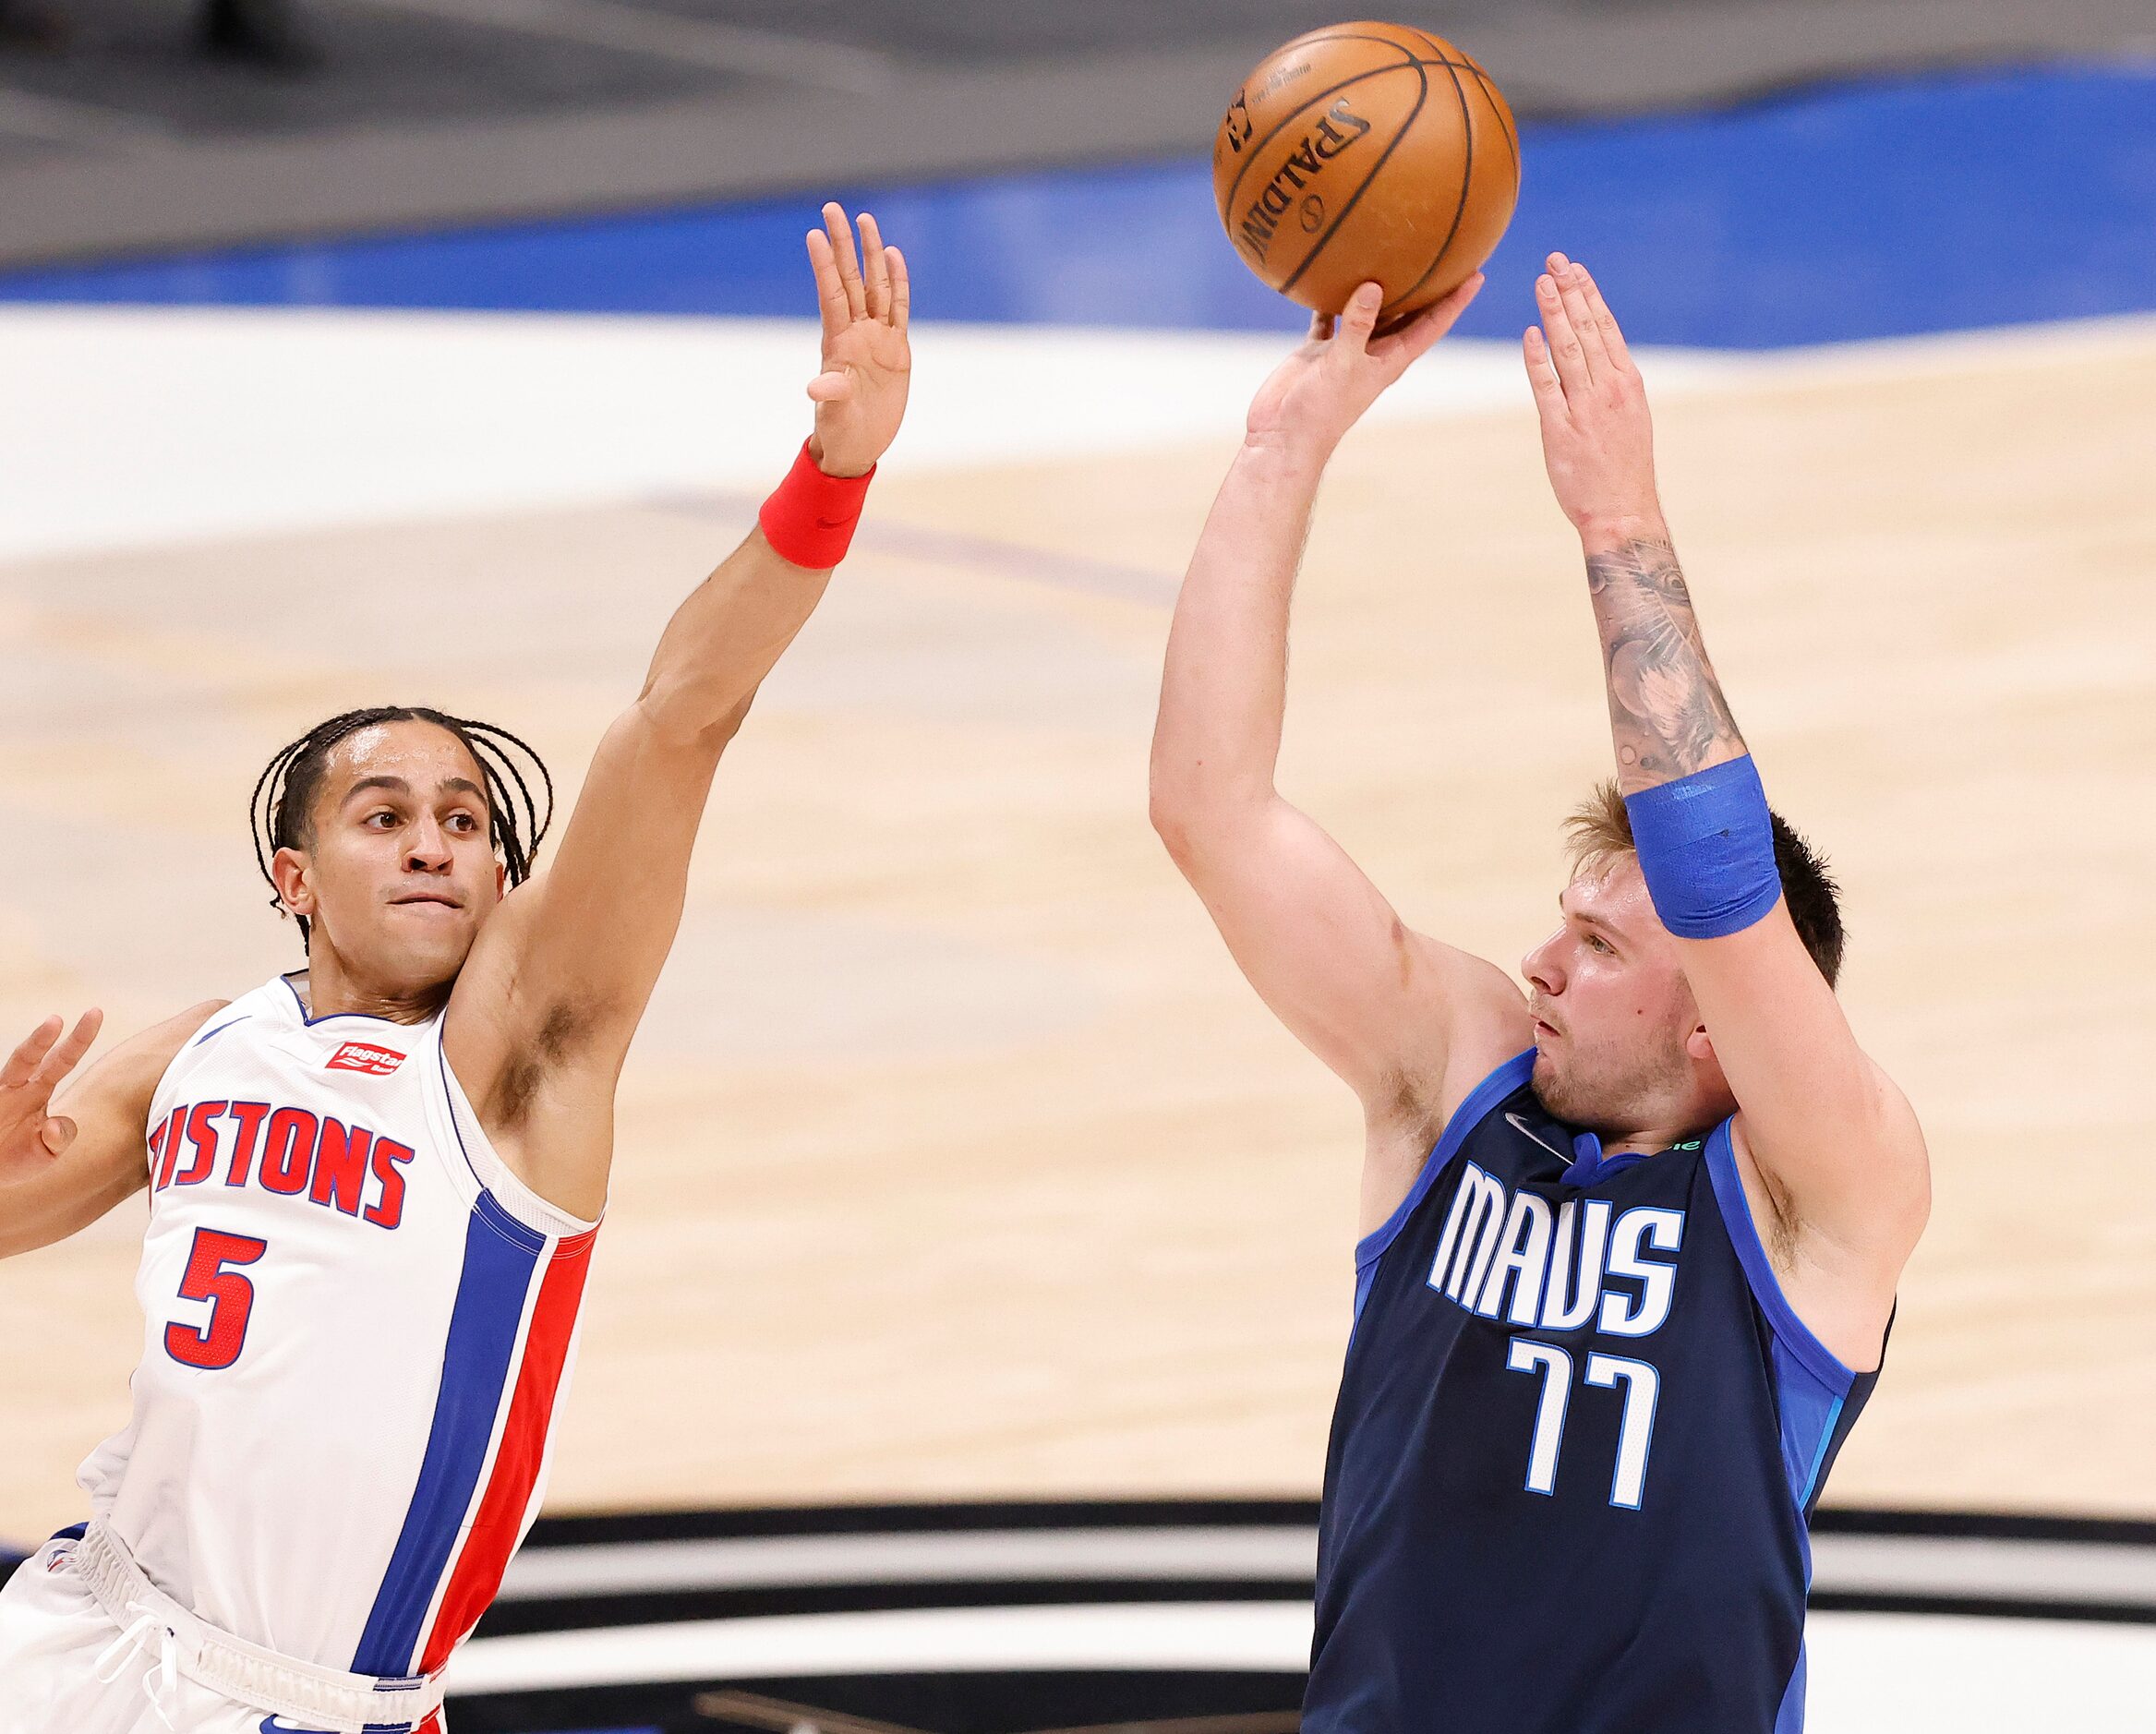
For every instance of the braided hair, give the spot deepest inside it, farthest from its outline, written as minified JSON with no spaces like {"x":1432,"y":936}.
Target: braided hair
{"x":282,"y":810}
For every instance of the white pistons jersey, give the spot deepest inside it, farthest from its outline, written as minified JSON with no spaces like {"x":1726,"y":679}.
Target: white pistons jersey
{"x":358,"y":1321}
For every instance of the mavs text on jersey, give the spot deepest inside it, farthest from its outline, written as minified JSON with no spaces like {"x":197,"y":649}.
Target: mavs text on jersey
{"x":1579,"y":1437}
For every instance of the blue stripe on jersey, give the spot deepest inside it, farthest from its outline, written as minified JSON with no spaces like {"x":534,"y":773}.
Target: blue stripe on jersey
{"x":1790,"y":1718}
{"x":1791,"y":1333}
{"x":500,"y":1254}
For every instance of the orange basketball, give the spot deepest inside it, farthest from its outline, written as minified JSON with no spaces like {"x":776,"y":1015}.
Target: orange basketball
{"x":1366,"y":152}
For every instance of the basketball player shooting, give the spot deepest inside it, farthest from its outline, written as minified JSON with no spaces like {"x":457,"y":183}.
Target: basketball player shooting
{"x":374,"y":1182}
{"x":1630,"y":1238}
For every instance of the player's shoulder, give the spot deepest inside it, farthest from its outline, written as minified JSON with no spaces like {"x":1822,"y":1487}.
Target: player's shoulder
{"x":162,"y":1042}
{"x":129,"y":1074}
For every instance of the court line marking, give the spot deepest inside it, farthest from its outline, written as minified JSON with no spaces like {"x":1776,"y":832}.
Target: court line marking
{"x":1990,"y":1671}
{"x":1966,"y":1567}
{"x":706,"y":42}
{"x":1046,"y":567}
{"x":1991,"y":1567}
{"x":1263,"y":1553}
{"x":1258,"y":1637}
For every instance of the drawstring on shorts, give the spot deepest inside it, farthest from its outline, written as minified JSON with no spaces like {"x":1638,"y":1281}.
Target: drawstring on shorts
{"x":162,"y":1680}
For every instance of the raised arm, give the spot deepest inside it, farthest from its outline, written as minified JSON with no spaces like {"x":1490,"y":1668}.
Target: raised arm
{"x":1833,"y":1158}
{"x":60,"y":1171}
{"x":1410,"y":1024}
{"x":542,"y":1017}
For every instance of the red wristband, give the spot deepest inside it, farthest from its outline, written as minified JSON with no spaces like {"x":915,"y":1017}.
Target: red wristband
{"x":809,"y":517}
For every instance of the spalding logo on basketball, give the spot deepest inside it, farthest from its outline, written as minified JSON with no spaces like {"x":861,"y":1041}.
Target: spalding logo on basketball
{"x":1366,"y":152}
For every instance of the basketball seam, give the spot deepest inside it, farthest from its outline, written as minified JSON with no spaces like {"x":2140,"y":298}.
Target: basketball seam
{"x":1467,"y":63}
{"x":1235,"y":186}
{"x":1460,"y":212}
{"x":1354,"y":198}
{"x":1496,"y":107}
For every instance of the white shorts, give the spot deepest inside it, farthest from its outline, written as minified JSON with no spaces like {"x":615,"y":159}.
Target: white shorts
{"x":53,"y":1637}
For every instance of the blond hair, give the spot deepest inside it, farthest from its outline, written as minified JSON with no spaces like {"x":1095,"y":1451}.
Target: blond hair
{"x":1597,"y":833}
{"x":1598,"y":836}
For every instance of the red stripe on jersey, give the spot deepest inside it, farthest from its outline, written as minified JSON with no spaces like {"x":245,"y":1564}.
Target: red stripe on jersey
{"x":494,"y":1530}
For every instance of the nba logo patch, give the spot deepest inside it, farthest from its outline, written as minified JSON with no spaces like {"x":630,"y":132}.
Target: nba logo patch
{"x":363,"y":1056}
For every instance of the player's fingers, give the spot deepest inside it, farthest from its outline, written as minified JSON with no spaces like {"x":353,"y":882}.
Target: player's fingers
{"x":23,"y":1062}
{"x":1571,"y":289}
{"x":1612,"y":333}
{"x":833,"y":387}
{"x":830,"y":289}
{"x":1541,"y":376}
{"x":901,"y":289}
{"x":1561,"y":341}
{"x":841,"y":234}
{"x":56,"y":1134}
{"x":876,"y":268}
{"x":1415,"y":339}
{"x":68,"y":1052}
{"x":1358,"y":318}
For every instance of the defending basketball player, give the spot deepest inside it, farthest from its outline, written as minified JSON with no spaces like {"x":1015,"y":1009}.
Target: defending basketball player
{"x":1630,"y":1238}
{"x":375,"y":1181}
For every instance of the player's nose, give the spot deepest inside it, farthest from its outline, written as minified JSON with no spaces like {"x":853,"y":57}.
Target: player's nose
{"x":429,"y":849}
{"x":1541,"y":967}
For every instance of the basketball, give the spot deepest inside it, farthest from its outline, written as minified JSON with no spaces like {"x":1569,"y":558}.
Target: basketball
{"x":1367,"y":153}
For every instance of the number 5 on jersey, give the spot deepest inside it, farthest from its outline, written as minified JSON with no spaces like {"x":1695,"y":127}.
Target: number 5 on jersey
{"x":217,"y":1342}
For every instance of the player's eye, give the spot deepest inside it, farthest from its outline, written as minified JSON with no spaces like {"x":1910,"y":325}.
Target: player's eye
{"x":1597,"y":943}
{"x":382,"y":820}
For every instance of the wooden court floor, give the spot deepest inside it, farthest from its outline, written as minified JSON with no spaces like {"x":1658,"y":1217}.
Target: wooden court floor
{"x":955,"y":1158}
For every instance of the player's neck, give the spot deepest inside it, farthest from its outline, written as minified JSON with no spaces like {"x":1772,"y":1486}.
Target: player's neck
{"x":328,"y":989}
{"x":1668,"y":1124}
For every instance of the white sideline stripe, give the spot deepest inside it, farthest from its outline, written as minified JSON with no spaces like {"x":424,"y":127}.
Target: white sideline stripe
{"x":243,"y":422}
{"x":235,"y":422}
{"x":1888,"y":1565}
{"x":1985,"y":1566}
{"x":1869,"y":1673}
{"x":1259,"y":1637}
{"x":1261,"y":1552}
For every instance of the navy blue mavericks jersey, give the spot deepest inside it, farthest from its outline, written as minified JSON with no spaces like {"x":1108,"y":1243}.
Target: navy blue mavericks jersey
{"x":1579,"y":1438}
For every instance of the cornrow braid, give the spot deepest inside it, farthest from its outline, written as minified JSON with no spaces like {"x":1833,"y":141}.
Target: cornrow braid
{"x":281,"y":813}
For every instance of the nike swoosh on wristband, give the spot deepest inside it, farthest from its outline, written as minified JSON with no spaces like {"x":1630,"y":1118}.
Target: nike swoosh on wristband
{"x":833,"y":524}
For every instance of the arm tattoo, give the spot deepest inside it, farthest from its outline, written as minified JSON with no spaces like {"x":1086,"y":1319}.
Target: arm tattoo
{"x":1666,"y":709}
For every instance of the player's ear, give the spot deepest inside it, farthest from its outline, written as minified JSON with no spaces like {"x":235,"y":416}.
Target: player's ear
{"x":1699,"y":1045}
{"x":289,"y":872}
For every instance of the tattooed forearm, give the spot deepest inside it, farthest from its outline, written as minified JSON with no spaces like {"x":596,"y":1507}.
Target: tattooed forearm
{"x":1666,"y":710}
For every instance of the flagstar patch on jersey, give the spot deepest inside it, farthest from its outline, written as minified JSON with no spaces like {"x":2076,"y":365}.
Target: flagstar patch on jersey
{"x":363,"y":1056}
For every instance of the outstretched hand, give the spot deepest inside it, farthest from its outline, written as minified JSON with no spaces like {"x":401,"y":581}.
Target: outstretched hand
{"x":31,"y":1134}
{"x":1322,"y":390}
{"x":860,"y":393}
{"x":1597,"y":438}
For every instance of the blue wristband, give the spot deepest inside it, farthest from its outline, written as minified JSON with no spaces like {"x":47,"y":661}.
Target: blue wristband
{"x":1706,"y":846}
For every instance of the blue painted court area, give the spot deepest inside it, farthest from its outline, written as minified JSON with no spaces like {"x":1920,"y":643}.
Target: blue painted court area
{"x":1846,"y":213}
